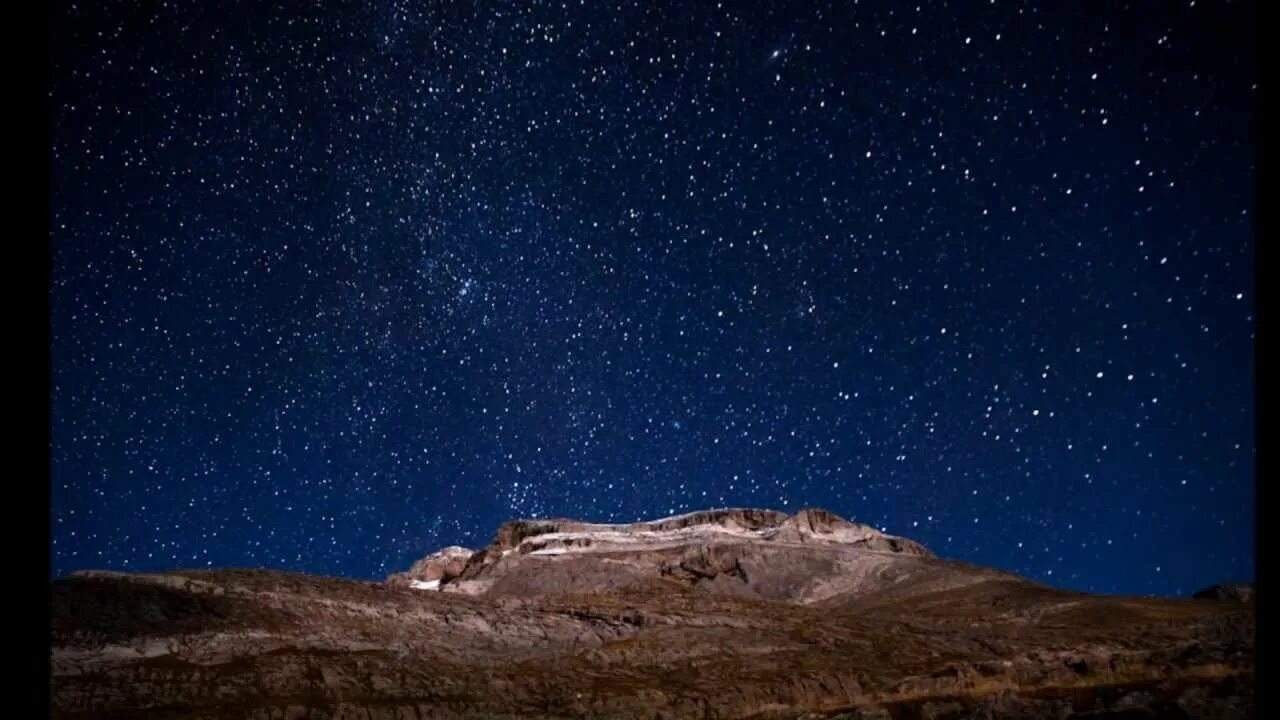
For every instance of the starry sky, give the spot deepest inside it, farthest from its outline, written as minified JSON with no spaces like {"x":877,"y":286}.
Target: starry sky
{"x":336,"y":284}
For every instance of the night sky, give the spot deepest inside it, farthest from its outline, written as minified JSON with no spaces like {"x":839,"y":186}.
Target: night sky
{"x":335,"y":285}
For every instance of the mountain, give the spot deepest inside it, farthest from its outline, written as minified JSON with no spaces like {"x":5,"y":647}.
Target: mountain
{"x":1236,"y":592}
{"x":808,"y":557}
{"x":732,"y":613}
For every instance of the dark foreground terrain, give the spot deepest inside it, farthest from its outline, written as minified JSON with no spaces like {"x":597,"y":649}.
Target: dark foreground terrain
{"x":719,"y":614}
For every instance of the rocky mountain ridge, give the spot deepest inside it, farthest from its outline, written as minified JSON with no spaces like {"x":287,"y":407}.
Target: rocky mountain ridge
{"x":807,"y":556}
{"x":721,"y":614}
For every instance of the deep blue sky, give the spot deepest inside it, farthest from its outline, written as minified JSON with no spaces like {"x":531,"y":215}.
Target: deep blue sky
{"x":338,"y":284}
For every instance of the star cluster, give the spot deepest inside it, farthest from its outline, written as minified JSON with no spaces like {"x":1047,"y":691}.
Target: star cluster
{"x":337,"y":284}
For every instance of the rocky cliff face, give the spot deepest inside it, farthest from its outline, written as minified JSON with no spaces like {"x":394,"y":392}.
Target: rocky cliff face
{"x":717,"y":614}
{"x":808,"y":557}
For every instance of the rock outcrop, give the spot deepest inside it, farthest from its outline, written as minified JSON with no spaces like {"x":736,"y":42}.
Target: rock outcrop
{"x":433,"y":570}
{"x":811,"y":556}
{"x":1234,"y":592}
{"x":722,"y":614}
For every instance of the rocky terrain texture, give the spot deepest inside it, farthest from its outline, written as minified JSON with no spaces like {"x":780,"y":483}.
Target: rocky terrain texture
{"x":1238,"y":592}
{"x":438,"y":567}
{"x":716,"y":614}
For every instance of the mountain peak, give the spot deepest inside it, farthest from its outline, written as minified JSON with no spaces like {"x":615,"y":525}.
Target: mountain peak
{"x":807,"y":525}
{"x":809,"y":556}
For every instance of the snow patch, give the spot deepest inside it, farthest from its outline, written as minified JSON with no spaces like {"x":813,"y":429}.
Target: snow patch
{"x":453,"y":551}
{"x":427,"y":585}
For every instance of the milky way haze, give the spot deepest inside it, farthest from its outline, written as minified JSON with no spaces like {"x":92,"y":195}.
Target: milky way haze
{"x":337,"y":284}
